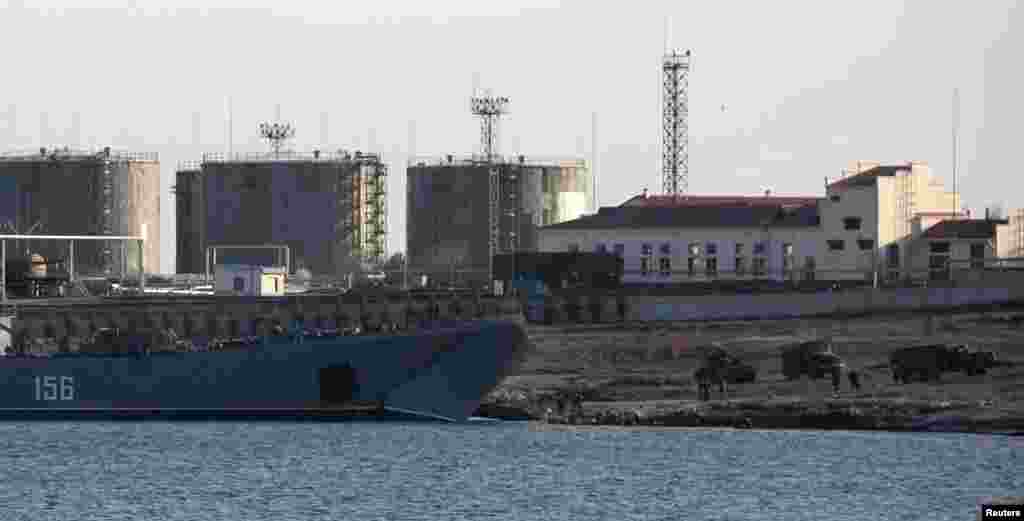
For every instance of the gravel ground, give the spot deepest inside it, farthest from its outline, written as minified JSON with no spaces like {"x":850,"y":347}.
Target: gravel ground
{"x":647,"y":368}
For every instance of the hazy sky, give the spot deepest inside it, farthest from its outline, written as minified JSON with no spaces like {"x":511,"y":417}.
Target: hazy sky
{"x":807,"y":85}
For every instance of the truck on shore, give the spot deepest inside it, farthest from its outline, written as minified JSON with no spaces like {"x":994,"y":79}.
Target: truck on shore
{"x":927,"y":362}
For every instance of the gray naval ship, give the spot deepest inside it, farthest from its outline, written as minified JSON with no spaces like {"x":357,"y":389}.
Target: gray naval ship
{"x":439,"y":373}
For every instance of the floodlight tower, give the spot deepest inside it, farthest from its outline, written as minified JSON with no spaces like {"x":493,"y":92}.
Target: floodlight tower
{"x":276,"y":134}
{"x":675,"y":155}
{"x":490,"y":109}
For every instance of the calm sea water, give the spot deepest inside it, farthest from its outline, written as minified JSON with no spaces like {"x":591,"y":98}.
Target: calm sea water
{"x":365,"y":471}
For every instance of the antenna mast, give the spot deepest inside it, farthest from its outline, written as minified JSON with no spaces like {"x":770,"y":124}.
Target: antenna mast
{"x":956,"y":151}
{"x":675,"y":158}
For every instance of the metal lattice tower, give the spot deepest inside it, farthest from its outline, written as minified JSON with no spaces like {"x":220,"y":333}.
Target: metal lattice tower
{"x":490,"y":109}
{"x":675,"y":155}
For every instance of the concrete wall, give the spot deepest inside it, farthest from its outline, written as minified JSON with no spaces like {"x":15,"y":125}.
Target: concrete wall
{"x":797,"y":305}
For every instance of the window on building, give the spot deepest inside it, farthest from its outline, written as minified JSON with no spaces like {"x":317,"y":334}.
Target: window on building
{"x":601,"y":248}
{"x":691,"y":266}
{"x":851,"y":223}
{"x":711,"y":267}
{"x":892,"y":256}
{"x":239,"y":284}
{"x":711,"y":249}
{"x":936,"y":262}
{"x":938,"y":267}
{"x":939,"y":247}
{"x":646,"y":249}
{"x":978,"y":255}
{"x":760,"y":247}
{"x":740,"y":247}
{"x":645,"y":266}
{"x":694,"y":249}
{"x":620,"y":250}
{"x":760,"y":266}
{"x":810,"y":268}
{"x":666,"y":248}
{"x":574,"y":248}
{"x":836,"y":245}
{"x":665,"y":267}
{"x":741,"y":266}
{"x":866,"y":244}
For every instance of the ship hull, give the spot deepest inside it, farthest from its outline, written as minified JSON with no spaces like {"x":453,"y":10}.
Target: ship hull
{"x":440,"y":374}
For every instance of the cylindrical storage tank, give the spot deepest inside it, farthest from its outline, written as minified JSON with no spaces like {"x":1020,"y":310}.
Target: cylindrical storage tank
{"x":37,"y":264}
{"x":189,"y":220}
{"x":329,"y":211}
{"x":77,"y":193}
{"x":448,"y":221}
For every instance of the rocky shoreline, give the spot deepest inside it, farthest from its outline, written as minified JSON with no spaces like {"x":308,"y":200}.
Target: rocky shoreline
{"x":828,"y":416}
{"x":643,"y":375}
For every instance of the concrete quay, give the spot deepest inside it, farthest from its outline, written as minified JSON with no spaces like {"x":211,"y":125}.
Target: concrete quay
{"x":227,"y":316}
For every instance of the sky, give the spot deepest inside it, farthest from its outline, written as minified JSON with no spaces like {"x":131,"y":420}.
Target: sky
{"x":807,"y":86}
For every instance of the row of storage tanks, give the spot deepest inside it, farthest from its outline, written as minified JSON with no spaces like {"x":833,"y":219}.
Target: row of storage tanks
{"x":331,"y":212}
{"x":329,"y":209}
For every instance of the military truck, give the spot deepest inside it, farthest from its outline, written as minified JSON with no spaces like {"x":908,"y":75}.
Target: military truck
{"x":928,"y":362}
{"x":813,"y":358}
{"x":720,"y":367}
{"x":719,"y":363}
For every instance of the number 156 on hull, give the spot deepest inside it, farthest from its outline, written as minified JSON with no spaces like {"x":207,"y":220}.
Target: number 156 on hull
{"x":54,"y":388}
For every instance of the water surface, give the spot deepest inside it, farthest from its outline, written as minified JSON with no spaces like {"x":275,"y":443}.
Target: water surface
{"x":390,"y":471}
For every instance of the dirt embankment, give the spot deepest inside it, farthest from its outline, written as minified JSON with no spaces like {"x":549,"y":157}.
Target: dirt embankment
{"x":643,"y":373}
